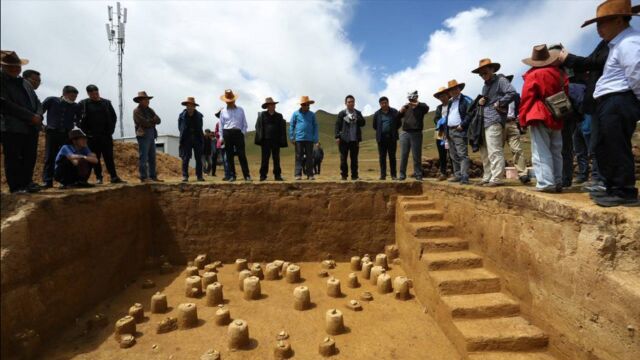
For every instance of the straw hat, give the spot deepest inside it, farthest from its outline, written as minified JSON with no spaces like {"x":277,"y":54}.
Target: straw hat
{"x":268,"y":101}
{"x":10,"y":58}
{"x":454,"y":83}
{"x":190,"y":100}
{"x":228,"y":96}
{"x":305,"y":100}
{"x":541,"y":56}
{"x":440,"y":91}
{"x":142,"y":95}
{"x":613,"y":8}
{"x":484,"y":63}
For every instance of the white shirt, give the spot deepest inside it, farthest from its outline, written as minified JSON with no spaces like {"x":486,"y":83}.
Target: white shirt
{"x":622,"y":69}
{"x":233,"y":119}
{"x":453,"y":116}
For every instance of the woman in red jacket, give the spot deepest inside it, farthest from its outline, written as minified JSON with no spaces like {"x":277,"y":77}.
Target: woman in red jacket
{"x":544,"y":79}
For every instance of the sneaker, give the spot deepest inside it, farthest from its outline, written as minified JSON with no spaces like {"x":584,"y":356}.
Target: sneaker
{"x":525,"y":179}
{"x":402,"y":178}
{"x":464,"y":181}
{"x":454,"y":179}
{"x":232,"y":179}
{"x":612,"y":200}
{"x":185,"y":179}
{"x":298,"y":178}
{"x":117,"y":180}
{"x":99,"y":182}
{"x":597,"y":194}
{"x":279,"y":178}
{"x":595,"y":188}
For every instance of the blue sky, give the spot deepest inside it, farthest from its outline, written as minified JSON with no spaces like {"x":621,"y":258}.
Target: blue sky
{"x":285,"y":49}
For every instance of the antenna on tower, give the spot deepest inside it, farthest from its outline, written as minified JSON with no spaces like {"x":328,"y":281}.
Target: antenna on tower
{"x":115,"y":35}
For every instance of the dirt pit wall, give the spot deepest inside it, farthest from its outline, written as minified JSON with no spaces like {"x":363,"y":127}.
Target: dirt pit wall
{"x":302,"y":222}
{"x":574,"y":267}
{"x":64,"y":253}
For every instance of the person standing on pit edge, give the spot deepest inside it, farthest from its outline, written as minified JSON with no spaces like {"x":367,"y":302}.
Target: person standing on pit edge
{"x":412,"y":116}
{"x":303,"y":133}
{"x":348,"y":136}
{"x":386,"y":124}
{"x":191,"y":138}
{"x":145,"y":120}
{"x":271,"y":135}
{"x":234,"y":128}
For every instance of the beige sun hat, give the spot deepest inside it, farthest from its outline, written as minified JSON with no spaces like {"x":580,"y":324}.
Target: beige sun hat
{"x":228,"y":96}
{"x":440,"y":91}
{"x":453,"y":84}
{"x":484,"y":63}
{"x":612,"y":8}
{"x":305,"y":100}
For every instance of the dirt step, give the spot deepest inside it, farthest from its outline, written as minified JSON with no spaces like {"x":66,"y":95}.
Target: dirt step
{"x":452,"y":260}
{"x":443,"y":244}
{"x":423,"y":215}
{"x":418,"y":205}
{"x":431,"y":229}
{"x":506,"y":355}
{"x":412,"y":198}
{"x":465,"y":281}
{"x":501,"y":334}
{"x":481,"y":305}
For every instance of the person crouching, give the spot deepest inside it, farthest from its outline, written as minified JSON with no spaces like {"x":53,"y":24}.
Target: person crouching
{"x":74,"y":161}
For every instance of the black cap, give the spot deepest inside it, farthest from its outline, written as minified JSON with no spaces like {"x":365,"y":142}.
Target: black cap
{"x":69,"y":89}
{"x":91,"y":88}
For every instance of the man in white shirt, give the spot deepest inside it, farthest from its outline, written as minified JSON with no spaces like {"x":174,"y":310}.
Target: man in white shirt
{"x":617,"y":95}
{"x":234,"y":127}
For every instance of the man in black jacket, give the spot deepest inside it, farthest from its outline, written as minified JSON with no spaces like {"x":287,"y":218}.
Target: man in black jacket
{"x":412,"y":116}
{"x":348,"y":136}
{"x":386,"y":125}
{"x":99,"y":122}
{"x":20,"y":122}
{"x":271,"y":135}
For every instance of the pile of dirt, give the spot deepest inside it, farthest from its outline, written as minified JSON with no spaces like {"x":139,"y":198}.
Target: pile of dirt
{"x":126,"y":159}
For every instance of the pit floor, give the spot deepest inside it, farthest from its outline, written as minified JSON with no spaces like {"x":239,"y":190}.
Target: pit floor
{"x":386,"y":328}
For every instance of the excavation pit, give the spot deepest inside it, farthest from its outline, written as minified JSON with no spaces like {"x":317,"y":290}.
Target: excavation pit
{"x":50,"y":270}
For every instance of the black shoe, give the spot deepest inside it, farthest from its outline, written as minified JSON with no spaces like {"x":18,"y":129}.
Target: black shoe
{"x":155,"y":179}
{"x":355,"y":179}
{"x":263,"y":178}
{"x":464,"y":181}
{"x":566,"y":184}
{"x":612,"y":200}
{"x":185,"y":179}
{"x":394,"y":178}
{"x":33,"y":188}
{"x":598,"y":194}
{"x":402,"y":178}
{"x":454,"y":179}
{"x":117,"y":180}
{"x":580,"y":180}
{"x":20,"y":192}
{"x":279,"y":178}
{"x":344,"y":178}
{"x":418,"y":178}
{"x":525,"y":179}
{"x":84,"y":184}
{"x":559,"y":188}
{"x":47,"y":185}
{"x":595,"y":188}
{"x":98,"y":182}
{"x":232,"y":179}
{"x":382,"y":178}
{"x":200,"y":179}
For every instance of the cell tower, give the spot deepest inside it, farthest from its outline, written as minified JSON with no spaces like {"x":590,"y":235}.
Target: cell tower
{"x":115,"y":34}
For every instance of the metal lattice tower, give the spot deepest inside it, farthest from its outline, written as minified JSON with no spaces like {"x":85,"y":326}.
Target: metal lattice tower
{"x":115,"y":35}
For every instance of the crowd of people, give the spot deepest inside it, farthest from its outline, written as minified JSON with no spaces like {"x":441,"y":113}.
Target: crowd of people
{"x":572,"y":106}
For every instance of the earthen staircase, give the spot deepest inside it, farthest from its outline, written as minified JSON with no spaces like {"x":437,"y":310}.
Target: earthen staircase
{"x":482,"y":321}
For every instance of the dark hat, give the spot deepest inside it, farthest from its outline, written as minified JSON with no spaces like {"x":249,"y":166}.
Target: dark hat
{"x":190,"y":100}
{"x":142,"y":95}
{"x":91,"y":88}
{"x":268,"y":101}
{"x":541,"y":56}
{"x":76,"y":133}
{"x":10,"y":58}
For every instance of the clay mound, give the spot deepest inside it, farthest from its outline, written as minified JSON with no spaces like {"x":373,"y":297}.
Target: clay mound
{"x":126,"y":158}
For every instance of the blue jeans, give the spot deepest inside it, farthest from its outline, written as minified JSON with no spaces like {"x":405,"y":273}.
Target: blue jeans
{"x":546,"y":156}
{"x":147,"y":154}
{"x":411,"y":141}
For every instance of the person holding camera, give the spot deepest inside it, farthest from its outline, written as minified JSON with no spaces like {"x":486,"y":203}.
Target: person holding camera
{"x":412,"y":117}
{"x":348,"y":136}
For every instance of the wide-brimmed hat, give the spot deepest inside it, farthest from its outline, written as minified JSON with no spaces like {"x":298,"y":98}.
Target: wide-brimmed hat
{"x":440,"y":91}
{"x":485,"y":63}
{"x":305,"y":100}
{"x":190,"y":100}
{"x":142,"y":95}
{"x":612,"y":8}
{"x":268,"y":101}
{"x":76,"y":133}
{"x":453,"y":84}
{"x":10,"y":58}
{"x":541,"y":56}
{"x":228,"y":96}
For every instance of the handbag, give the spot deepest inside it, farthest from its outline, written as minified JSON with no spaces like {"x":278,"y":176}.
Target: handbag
{"x":559,"y":103}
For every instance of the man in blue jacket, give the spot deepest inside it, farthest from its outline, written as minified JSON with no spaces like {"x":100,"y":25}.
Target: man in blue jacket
{"x":386,"y":125}
{"x":456,"y":131}
{"x":191,"y":138}
{"x":303,"y":133}
{"x":348,"y":136}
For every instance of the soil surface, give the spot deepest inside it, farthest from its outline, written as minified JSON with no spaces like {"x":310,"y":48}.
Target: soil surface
{"x":386,"y":328}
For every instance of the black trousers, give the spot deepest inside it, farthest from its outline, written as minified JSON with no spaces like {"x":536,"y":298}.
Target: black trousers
{"x":568,"y":128}
{"x":387,"y":148}
{"x":304,"y":158}
{"x":617,"y":116}
{"x":317,"y":166}
{"x":234,"y":140}
{"x":350,"y":149}
{"x":20,"y":153}
{"x":54,"y":140}
{"x":195,"y":147}
{"x":68,"y":174}
{"x":270,"y":148}
{"x":442,"y":157}
{"x":102,"y":146}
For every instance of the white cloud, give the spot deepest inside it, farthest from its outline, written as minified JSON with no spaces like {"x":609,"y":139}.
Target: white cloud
{"x":506,"y":36}
{"x":194,"y":48}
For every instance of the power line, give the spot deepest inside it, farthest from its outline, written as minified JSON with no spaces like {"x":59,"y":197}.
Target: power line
{"x":115,"y":35}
